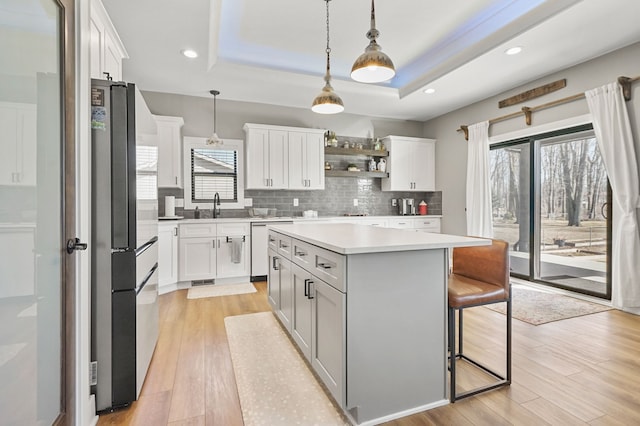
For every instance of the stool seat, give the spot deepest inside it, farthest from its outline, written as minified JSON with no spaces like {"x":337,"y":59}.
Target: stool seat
{"x":466,"y":292}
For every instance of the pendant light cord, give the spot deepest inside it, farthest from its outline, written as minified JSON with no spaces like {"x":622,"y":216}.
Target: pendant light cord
{"x":328,"y":50}
{"x":373,"y":33}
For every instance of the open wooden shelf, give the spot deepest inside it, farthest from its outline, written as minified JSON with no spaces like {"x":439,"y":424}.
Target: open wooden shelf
{"x":346,"y":173}
{"x":329,"y":150}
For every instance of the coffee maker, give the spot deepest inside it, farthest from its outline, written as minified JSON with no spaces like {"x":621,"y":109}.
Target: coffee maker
{"x":406,"y":206}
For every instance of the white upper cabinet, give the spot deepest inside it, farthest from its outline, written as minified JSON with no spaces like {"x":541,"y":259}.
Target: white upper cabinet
{"x":106,"y":48}
{"x":169,"y":151}
{"x":411,"y":164}
{"x":306,"y":160}
{"x":281,"y":157}
{"x":267,"y":158}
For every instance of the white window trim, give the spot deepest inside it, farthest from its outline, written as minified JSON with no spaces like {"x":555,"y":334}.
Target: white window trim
{"x":193,"y":142}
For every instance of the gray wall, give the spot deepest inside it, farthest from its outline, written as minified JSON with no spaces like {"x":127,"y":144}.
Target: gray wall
{"x":451,"y":147}
{"x":339,"y":193}
{"x":231,"y":116}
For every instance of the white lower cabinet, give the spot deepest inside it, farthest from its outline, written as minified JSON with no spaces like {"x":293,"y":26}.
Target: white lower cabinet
{"x":231,"y":264}
{"x":419,"y":223}
{"x":167,"y":256}
{"x":206,"y":251}
{"x":197,"y":258}
{"x":427,"y":224}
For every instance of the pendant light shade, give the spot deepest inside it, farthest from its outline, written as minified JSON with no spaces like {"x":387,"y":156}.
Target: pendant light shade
{"x":373,"y":66}
{"x":327,"y":102}
{"x":214,"y":139}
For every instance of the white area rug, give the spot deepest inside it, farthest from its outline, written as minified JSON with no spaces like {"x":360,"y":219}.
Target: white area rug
{"x":274,"y":384}
{"x":537,"y":306}
{"x":220,"y":290}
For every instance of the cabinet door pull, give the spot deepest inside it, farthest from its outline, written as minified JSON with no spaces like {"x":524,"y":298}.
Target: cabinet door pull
{"x":300,"y":254}
{"x":306,"y":287}
{"x":270,"y":182}
{"x":175,"y":231}
{"x":275,"y":267}
{"x":310,"y":296}
{"x":176,"y":180}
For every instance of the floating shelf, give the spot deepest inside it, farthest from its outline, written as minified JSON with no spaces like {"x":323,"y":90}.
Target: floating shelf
{"x":329,"y":150}
{"x":346,"y":173}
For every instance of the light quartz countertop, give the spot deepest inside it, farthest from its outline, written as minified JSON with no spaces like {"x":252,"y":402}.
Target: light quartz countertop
{"x":346,"y":238}
{"x":295,"y":219}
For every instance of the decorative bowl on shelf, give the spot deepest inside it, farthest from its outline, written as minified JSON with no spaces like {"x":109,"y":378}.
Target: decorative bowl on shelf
{"x":352,"y":168}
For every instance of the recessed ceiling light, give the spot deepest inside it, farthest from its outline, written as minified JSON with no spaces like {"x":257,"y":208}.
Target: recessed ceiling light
{"x":189,"y":53}
{"x":430,"y":90}
{"x":513,"y":50}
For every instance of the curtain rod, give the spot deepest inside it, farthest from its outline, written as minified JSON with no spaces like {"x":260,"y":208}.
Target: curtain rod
{"x":625,"y":82}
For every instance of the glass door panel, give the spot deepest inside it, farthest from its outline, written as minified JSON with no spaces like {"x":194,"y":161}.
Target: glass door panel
{"x":571,"y":218}
{"x":31,"y":196}
{"x":510,"y":183}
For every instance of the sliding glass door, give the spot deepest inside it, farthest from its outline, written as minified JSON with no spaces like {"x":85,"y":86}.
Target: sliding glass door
{"x":550,"y":202}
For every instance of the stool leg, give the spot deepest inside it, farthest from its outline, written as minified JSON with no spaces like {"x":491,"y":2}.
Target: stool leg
{"x":452,"y":357}
{"x":460,"y":329}
{"x":509,"y":311}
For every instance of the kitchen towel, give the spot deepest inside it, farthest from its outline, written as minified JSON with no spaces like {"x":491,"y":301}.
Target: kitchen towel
{"x":236,"y":249}
{"x":169,"y":206}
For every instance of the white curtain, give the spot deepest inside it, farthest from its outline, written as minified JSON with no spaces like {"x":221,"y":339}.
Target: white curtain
{"x":479,"y":221}
{"x":615,"y":140}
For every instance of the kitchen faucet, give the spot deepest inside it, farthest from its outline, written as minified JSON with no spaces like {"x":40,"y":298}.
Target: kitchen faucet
{"x":216,"y":201}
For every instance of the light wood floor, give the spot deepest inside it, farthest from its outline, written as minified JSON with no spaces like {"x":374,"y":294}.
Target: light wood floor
{"x":578,"y":371}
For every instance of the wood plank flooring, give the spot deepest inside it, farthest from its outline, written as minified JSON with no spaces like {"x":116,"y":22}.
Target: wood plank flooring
{"x":580,"y":371}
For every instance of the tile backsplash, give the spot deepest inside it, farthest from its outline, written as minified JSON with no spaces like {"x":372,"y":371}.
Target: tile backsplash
{"x":335,"y":200}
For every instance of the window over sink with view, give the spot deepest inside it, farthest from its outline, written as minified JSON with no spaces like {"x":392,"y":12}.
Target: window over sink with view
{"x":213,"y":169}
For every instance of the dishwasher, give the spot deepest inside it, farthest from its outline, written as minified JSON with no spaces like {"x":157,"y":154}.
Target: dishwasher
{"x":259,"y":248}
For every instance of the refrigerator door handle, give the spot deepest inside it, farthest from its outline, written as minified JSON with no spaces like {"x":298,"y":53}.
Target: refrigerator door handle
{"x":146,"y":278}
{"x":146,"y":245}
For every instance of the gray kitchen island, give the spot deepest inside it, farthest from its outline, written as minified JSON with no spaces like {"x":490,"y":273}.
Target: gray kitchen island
{"x":367,"y":307}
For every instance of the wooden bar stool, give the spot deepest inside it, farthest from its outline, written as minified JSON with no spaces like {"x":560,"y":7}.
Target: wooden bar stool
{"x":480,"y":276}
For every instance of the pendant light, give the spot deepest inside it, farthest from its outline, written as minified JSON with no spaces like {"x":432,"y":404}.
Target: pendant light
{"x":327,"y":102}
{"x":214,"y":139}
{"x":373,"y":66}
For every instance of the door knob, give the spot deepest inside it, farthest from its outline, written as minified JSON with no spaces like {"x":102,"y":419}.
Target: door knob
{"x":75,"y":244}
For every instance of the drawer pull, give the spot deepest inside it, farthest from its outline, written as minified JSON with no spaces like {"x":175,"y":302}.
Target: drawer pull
{"x":284,"y":246}
{"x":310,"y":296}
{"x":300,"y":254}
{"x":325,"y":265}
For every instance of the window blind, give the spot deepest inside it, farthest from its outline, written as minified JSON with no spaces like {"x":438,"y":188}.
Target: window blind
{"x":146,"y":172}
{"x":214,"y":170}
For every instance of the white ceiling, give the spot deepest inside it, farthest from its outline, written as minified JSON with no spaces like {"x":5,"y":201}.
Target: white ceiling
{"x":273,"y":52}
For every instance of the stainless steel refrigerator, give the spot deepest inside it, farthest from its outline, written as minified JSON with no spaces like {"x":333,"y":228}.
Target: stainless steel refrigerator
{"x":124,"y":253}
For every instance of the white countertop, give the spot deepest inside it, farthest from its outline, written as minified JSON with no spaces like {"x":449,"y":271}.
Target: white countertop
{"x":347,"y":238}
{"x":295,"y":219}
